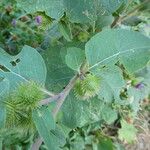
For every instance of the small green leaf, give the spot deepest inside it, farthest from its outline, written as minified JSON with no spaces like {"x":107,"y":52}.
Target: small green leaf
{"x":105,"y":144}
{"x":109,"y":115}
{"x":127,"y":132}
{"x":1,"y":143}
{"x":65,"y":31}
{"x":74,"y":58}
{"x":104,"y":21}
{"x":58,"y":137}
{"x":44,"y":123}
{"x":111,"y":6}
{"x":2,"y":116}
{"x":43,"y":117}
{"x":4,"y":88}
{"x":81,"y":112}
{"x":112,"y":83}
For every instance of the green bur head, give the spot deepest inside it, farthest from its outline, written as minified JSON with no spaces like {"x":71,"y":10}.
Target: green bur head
{"x":88,"y":87}
{"x":20,"y":104}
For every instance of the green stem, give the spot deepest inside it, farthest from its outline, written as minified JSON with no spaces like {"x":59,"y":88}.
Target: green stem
{"x":119,"y":19}
{"x":60,"y":100}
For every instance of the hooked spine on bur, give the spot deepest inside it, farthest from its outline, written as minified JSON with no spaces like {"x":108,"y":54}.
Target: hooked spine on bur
{"x":20,"y":104}
{"x":87,"y":87}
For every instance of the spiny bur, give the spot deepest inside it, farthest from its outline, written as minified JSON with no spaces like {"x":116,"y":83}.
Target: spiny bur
{"x":88,"y":87}
{"x":20,"y":104}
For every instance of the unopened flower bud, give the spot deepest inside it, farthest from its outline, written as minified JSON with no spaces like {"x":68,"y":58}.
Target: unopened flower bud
{"x":139,"y":86}
{"x":38,"y":19}
{"x":14,"y":22}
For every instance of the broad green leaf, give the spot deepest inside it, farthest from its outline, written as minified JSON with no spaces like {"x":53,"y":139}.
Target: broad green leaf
{"x":111,"y":6}
{"x":104,"y":21}
{"x":136,"y":96}
{"x":2,"y":116}
{"x":14,"y":136}
{"x":81,"y":11}
{"x":63,"y":51}
{"x":109,"y":46}
{"x":105,"y":144}
{"x":4,"y":88}
{"x":43,"y":116}
{"x":127,"y":132}
{"x":65,"y":31}
{"x":74,"y":58}
{"x":53,"y":8}
{"x":58,"y":74}
{"x":119,"y":146}
{"x":44,"y":123}
{"x":137,"y":60}
{"x":81,"y":112}
{"x":112,"y":83}
{"x":145,"y":73}
{"x":27,"y":65}
{"x":58,"y":137}
{"x":77,"y":143}
{"x":1,"y":143}
{"x":109,"y":115}
{"x":51,"y":35}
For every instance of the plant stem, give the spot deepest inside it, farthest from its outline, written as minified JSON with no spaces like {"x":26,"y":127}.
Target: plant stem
{"x":36,"y":145}
{"x":64,"y":94}
{"x":119,"y":19}
{"x":60,"y":99}
{"x":48,"y":100}
{"x":47,"y":92}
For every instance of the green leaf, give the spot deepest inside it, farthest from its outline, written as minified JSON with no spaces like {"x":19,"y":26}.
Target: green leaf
{"x":77,"y":143}
{"x":65,"y":31}
{"x":109,"y":46}
{"x":112,"y":83}
{"x":104,"y":21}
{"x":119,"y":146}
{"x":1,"y":143}
{"x":136,"y":96}
{"x":44,"y":123}
{"x":58,"y":137}
{"x":2,"y":116}
{"x":137,"y":60}
{"x":81,"y":11}
{"x":27,"y":65}
{"x":109,"y":115}
{"x":105,"y":144}
{"x":52,"y":8}
{"x":77,"y":113}
{"x":127,"y":132}
{"x":74,"y":58}
{"x":58,"y":73}
{"x":4,"y":89}
{"x":43,"y":116}
{"x":111,"y":6}
{"x":63,"y":51}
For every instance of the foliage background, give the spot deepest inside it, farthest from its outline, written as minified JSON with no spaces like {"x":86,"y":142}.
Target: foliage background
{"x":106,"y":121}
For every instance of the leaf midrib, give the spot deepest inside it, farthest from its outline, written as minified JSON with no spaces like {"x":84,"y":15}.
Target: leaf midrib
{"x":117,"y":54}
